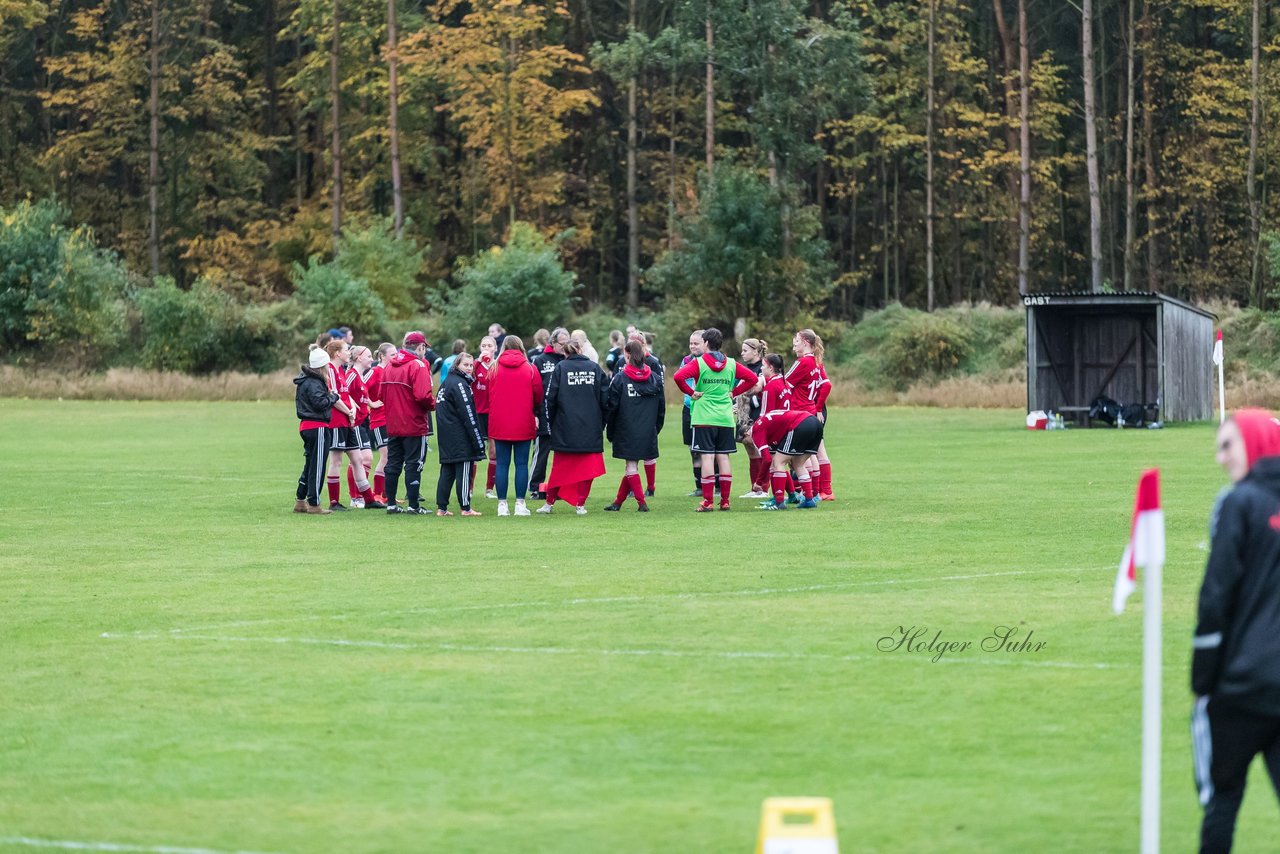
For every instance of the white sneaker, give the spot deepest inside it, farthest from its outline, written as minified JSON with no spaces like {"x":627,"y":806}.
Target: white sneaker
{"x":357,"y":503}
{"x":521,"y":509}
{"x":489,"y":493}
{"x":755,"y":493}
{"x":502,"y":509}
{"x":581,"y":511}
{"x":545,"y":508}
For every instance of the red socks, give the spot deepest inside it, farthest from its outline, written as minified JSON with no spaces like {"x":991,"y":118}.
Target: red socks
{"x":636,"y":490}
{"x":779,"y":480}
{"x":806,"y":486}
{"x":351,"y":482}
{"x":766,"y":463}
{"x":726,"y":486}
{"x":651,"y":474}
{"x":379,"y":484}
{"x":708,"y":489}
{"x":624,"y":489}
{"x":824,"y":478}
{"x":492,"y":477}
{"x":335,"y":488}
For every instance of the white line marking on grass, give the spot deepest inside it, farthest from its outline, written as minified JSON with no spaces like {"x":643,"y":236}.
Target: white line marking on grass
{"x":766,"y":655}
{"x":606,"y":600}
{"x":71,"y":845}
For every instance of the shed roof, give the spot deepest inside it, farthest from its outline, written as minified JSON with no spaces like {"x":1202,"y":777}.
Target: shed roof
{"x":1122,"y":298}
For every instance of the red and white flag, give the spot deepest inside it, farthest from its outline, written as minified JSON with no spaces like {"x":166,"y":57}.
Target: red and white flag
{"x":1217,"y":349}
{"x":1146,"y":538}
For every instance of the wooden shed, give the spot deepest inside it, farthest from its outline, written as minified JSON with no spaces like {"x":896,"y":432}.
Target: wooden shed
{"x":1133,"y":347}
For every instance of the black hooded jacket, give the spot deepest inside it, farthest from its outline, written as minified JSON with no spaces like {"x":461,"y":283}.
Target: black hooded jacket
{"x":312,"y":398}
{"x":636,"y":410}
{"x":545,"y":363}
{"x":1236,"y":649}
{"x":575,"y":406}
{"x":458,"y":437}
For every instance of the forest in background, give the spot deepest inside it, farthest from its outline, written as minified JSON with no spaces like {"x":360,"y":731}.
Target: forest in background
{"x":771,"y":161}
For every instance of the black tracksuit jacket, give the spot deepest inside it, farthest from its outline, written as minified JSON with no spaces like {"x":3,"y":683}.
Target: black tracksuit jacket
{"x":458,"y":437}
{"x":575,"y":406}
{"x":1236,"y":649}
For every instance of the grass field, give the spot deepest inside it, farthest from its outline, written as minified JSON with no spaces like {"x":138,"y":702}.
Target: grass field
{"x":187,"y":663}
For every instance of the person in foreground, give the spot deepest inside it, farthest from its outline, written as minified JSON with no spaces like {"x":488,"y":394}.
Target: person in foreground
{"x":1235,"y":664}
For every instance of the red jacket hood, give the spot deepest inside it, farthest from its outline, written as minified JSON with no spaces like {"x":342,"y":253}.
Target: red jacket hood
{"x":1260,"y":432}
{"x":403,"y":357}
{"x":512,"y":359}
{"x":639,"y":374}
{"x":715,"y":361}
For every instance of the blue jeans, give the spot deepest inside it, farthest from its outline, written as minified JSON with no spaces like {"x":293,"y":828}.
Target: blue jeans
{"x":504,"y":451}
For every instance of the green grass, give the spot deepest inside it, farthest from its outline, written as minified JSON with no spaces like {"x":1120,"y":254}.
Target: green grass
{"x":618,"y":682}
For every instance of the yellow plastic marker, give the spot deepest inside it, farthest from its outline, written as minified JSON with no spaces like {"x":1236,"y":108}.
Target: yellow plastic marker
{"x":797,"y":826}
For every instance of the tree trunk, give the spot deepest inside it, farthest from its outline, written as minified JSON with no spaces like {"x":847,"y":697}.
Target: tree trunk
{"x":1251,"y":183}
{"x":393,"y":69}
{"x":1008,"y":52}
{"x":335,"y":116}
{"x":711,"y":93}
{"x":633,"y":212}
{"x":1091,"y":151}
{"x":928,"y":168}
{"x":1024,"y":150}
{"x":1148,"y":149}
{"x":671,"y":158}
{"x":1130,"y":196}
{"x":271,"y":189}
{"x":153,"y":162}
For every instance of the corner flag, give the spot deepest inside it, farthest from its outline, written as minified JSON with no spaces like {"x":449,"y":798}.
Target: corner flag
{"x":1146,"y":550}
{"x":1146,"y":538}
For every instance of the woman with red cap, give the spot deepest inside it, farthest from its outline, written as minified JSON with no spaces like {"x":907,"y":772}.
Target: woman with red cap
{"x":1235,"y":661}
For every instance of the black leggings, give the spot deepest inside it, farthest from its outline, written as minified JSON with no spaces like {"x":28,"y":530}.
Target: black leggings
{"x":450,"y":474}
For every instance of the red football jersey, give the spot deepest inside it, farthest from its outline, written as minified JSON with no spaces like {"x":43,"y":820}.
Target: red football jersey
{"x":772,"y":427}
{"x":803,"y":379}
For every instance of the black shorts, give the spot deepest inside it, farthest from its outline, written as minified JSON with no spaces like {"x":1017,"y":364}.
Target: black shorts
{"x":365,"y":436}
{"x":482,"y":419}
{"x":713,"y":440}
{"x":345,"y":439}
{"x":379,"y":437}
{"x":686,"y":428}
{"x":803,"y":440}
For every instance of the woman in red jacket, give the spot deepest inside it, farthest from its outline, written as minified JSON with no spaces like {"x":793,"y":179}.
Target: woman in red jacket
{"x":515,"y":397}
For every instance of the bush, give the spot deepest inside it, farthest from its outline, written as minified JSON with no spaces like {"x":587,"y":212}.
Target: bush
{"x":925,"y":347}
{"x":390,"y":266}
{"x":521,"y":285}
{"x":749,"y":252}
{"x":204,"y":330}
{"x":57,"y":288}
{"x":330,"y":296}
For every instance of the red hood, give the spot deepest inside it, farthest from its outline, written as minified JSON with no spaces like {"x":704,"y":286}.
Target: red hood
{"x":403,"y":357}
{"x":639,"y":374}
{"x":512,"y":359}
{"x":1260,"y":432}
{"x":715,"y":361}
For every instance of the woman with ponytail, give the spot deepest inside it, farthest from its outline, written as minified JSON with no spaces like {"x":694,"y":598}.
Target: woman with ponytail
{"x":747,"y":410}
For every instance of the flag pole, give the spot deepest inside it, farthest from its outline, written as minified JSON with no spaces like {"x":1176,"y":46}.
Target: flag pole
{"x":1151,"y":695}
{"x":1222,"y":397}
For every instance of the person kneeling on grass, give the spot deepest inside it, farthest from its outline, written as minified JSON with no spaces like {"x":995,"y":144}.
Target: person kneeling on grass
{"x":458,"y":436}
{"x":795,"y":436}
{"x":712,"y":381}
{"x":313,"y":400}
{"x":636,"y":406}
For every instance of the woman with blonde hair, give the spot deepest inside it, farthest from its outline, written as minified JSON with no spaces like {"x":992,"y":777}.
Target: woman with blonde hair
{"x":746,"y":410}
{"x":485,"y":362}
{"x":346,"y":439}
{"x":584,"y":345}
{"x":810,"y":387}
